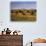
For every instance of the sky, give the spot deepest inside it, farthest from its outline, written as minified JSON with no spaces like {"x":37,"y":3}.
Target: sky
{"x":23,"y":5}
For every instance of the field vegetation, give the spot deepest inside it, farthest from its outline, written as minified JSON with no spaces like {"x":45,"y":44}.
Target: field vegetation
{"x":23,"y":15}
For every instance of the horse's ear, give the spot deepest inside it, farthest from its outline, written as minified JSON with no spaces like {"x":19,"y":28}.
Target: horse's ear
{"x":31,"y":43}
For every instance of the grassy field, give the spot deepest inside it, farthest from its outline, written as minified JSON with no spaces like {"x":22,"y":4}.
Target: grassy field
{"x":23,"y":15}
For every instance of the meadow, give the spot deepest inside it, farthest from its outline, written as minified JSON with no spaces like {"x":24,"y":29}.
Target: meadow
{"x":23,"y":15}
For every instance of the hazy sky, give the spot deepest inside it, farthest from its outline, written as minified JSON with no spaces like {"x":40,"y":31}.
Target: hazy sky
{"x":23,"y":5}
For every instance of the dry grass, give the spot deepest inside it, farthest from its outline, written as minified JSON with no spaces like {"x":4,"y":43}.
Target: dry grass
{"x":23,"y":15}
